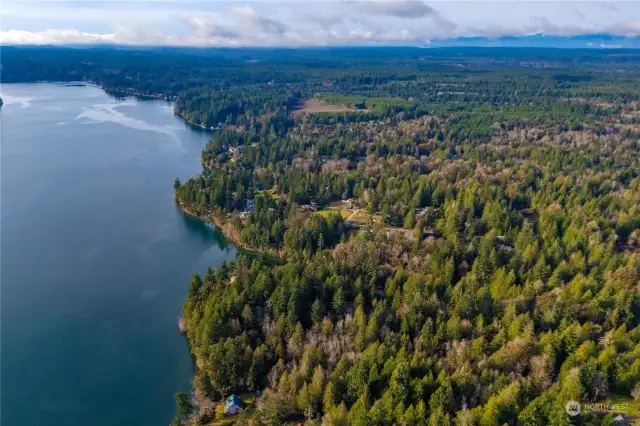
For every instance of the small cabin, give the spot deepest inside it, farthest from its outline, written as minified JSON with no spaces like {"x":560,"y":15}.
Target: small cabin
{"x":233,"y":405}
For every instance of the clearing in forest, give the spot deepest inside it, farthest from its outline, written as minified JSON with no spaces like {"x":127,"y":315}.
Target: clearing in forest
{"x":309,"y":106}
{"x":331,"y":210}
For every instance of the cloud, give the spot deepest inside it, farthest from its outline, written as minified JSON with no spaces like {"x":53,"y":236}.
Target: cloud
{"x":415,"y":10}
{"x":412,"y":9}
{"x":206,"y":27}
{"x":68,"y":36}
{"x":542,"y":24}
{"x":246,"y":15}
{"x":610,"y":6}
{"x":303,"y":23}
{"x":625,"y":28}
{"x":325,"y":19}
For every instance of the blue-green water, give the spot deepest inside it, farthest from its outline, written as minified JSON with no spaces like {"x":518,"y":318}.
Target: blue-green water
{"x":95,"y":257}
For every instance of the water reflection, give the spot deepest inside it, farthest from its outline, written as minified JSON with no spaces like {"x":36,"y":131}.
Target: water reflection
{"x":205,"y":231}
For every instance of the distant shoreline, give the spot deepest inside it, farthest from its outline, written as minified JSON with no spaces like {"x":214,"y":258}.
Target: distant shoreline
{"x":158,"y":97}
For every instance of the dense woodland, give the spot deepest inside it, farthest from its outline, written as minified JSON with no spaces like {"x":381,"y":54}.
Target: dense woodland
{"x":488,"y":269}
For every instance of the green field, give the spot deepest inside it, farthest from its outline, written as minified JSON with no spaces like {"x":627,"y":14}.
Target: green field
{"x":270,"y":192}
{"x":364,"y":102}
{"x":331,"y":210}
{"x":363,"y":216}
{"x":634,"y":406}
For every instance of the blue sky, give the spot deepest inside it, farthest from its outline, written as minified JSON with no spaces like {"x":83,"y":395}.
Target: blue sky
{"x":304,"y":23}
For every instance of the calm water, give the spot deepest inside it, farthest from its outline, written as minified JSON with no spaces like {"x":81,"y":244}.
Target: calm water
{"x":95,"y":257}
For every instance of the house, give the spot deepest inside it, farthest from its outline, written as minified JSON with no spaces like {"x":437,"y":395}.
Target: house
{"x":233,"y":405}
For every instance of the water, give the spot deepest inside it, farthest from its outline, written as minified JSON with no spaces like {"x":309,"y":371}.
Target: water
{"x":95,"y":257}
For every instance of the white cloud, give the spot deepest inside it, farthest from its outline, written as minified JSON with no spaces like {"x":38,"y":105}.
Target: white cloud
{"x":297,"y":22}
{"x":325,"y":19}
{"x":54,"y":37}
{"x":248,"y":18}
{"x":626,"y":28}
{"x":412,"y":9}
{"x":542,"y":24}
{"x":205,"y":27}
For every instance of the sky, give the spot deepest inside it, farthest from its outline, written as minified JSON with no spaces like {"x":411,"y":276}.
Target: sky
{"x":305,"y":23}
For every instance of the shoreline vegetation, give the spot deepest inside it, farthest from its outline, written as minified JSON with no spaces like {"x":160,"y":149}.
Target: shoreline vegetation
{"x":225,"y":227}
{"x":144,"y":96}
{"x":190,"y":122}
{"x":147,"y":96}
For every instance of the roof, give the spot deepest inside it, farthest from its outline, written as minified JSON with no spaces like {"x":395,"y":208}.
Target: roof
{"x":233,"y":400}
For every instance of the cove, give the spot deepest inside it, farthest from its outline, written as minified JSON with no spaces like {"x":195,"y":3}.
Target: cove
{"x":96,"y":257}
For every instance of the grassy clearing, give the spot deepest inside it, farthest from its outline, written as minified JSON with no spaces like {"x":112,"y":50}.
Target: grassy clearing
{"x":331,"y":210}
{"x":242,"y":418}
{"x":634,"y":406}
{"x":310,"y":106}
{"x":248,"y":398}
{"x":363,"y":216}
{"x":363,"y":102}
{"x":269,"y":192}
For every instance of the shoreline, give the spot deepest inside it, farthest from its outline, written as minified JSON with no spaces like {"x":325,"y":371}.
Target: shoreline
{"x":157,"y":97}
{"x":144,"y":96}
{"x":225,"y":228}
{"x":203,"y":403}
{"x":191,"y":123}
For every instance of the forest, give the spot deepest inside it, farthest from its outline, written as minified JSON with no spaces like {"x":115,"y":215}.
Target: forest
{"x":452,"y":237}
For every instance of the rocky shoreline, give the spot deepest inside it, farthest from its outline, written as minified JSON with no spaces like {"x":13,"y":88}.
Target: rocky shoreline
{"x":182,"y":324}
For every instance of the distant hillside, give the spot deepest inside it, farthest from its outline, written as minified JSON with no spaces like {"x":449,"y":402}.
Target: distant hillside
{"x":593,"y":41}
